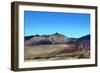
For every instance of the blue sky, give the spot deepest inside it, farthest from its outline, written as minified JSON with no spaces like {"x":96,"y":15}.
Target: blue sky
{"x":70,"y":24}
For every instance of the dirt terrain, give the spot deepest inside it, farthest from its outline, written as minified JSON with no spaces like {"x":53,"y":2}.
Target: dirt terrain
{"x":54,"y":52}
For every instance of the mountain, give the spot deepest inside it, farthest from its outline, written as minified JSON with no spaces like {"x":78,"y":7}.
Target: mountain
{"x":84,"y":42}
{"x":28,"y":37}
{"x":58,"y":35}
{"x":55,"y":38}
{"x":83,"y":39}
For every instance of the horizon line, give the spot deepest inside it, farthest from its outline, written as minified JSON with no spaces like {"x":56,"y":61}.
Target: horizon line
{"x":54,"y":33}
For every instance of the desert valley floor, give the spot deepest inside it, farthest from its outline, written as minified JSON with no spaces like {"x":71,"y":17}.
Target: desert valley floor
{"x":54,"y":52}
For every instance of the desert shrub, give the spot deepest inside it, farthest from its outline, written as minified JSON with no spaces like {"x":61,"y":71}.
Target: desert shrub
{"x":81,"y":56}
{"x":37,"y":58}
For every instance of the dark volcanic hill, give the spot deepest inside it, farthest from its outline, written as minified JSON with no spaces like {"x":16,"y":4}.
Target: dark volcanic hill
{"x":84,"y":42}
{"x":84,"y":39}
{"x":28,"y":37}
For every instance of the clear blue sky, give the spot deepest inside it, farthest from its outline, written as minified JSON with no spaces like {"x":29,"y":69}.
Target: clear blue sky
{"x":69,"y":24}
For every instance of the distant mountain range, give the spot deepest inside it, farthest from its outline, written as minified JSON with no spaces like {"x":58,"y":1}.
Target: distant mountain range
{"x":55,"y":38}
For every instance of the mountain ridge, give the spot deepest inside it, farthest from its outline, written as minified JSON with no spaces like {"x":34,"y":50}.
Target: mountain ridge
{"x":55,"y":38}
